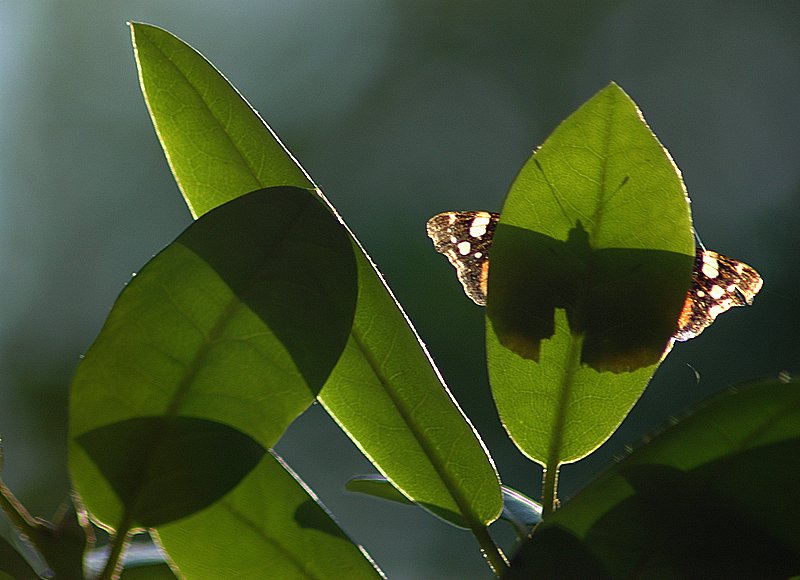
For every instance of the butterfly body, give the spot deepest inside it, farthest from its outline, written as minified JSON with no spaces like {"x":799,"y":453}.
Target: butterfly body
{"x":718,"y":282}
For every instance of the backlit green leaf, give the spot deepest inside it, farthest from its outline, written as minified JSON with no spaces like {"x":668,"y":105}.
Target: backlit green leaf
{"x":216,"y":153}
{"x":150,"y":462}
{"x":234,"y":327}
{"x":385,"y":392}
{"x":589,"y":269}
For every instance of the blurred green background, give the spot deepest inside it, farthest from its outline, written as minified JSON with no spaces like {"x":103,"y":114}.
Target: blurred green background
{"x":399,"y":110}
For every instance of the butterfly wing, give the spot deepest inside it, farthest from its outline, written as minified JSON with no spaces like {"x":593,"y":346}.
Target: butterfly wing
{"x":465,"y":238}
{"x":718,"y":284}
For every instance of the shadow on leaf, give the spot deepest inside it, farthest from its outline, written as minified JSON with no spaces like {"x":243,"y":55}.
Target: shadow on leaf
{"x":622,"y":304}
{"x":291,"y":262}
{"x":165,"y":469}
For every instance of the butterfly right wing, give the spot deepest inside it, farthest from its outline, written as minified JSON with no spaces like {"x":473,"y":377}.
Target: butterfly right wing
{"x":718,"y":284}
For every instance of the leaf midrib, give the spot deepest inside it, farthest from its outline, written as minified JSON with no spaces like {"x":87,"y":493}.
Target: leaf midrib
{"x":572,"y":360}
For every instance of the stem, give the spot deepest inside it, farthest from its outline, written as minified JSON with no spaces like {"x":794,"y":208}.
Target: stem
{"x":550,"y":490}
{"x":20,"y":518}
{"x":494,"y":556}
{"x":119,"y":542}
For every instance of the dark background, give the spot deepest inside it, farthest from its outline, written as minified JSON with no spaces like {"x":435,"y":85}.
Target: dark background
{"x":399,"y":110}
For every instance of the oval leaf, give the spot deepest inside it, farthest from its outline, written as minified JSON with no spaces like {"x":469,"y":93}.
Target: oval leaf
{"x":385,"y":392}
{"x":149,"y":572}
{"x":238,"y":322}
{"x":590,"y":266}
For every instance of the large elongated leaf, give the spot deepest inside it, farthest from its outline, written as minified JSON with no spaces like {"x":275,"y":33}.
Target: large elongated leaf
{"x":216,"y":153}
{"x":590,"y":266}
{"x":218,"y":344}
{"x":713,"y":496}
{"x":385,"y":392}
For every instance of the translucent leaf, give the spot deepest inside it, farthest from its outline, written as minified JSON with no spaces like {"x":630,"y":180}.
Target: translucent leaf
{"x":385,"y":392}
{"x":589,"y":270}
{"x":151,"y":462}
{"x":232,"y":328}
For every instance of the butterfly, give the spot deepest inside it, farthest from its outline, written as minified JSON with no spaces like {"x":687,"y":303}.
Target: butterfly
{"x":718,"y":282}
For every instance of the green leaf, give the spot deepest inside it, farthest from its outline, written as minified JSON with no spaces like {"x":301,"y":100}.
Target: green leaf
{"x":149,"y":572}
{"x":389,"y":398}
{"x":216,"y":153}
{"x":64,"y":543}
{"x":591,"y":263}
{"x":713,"y":496}
{"x":385,"y":392}
{"x":234,"y":323}
{"x":270,"y":526}
{"x":519,"y":510}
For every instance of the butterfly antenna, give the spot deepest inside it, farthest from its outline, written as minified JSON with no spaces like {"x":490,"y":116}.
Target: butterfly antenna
{"x":698,"y":242}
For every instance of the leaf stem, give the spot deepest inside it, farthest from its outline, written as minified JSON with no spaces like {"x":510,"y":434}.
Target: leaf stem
{"x":19,"y":517}
{"x":494,"y":555}
{"x":119,"y":542}
{"x":550,"y":490}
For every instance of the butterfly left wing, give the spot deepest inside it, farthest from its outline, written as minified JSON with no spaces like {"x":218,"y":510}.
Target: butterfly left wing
{"x":465,"y":238}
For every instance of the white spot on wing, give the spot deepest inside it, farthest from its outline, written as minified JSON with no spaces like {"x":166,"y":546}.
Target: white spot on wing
{"x":477,"y":231}
{"x":477,"y":228}
{"x":464,"y":248}
{"x":717,"y":292}
{"x":710,"y":266}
